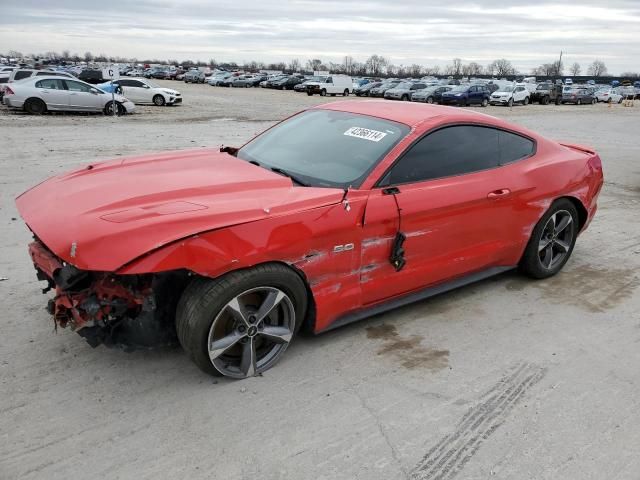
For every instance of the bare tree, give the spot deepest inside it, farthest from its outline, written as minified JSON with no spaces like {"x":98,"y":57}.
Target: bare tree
{"x":630,"y":74}
{"x":429,"y":71}
{"x":88,"y":56}
{"x":347,"y":65}
{"x":294,"y":65}
{"x":66,"y":55}
{"x":490,"y":69}
{"x":314,"y":64}
{"x":503,"y":67}
{"x":575,"y":69}
{"x":376,"y":64}
{"x":597,"y":69}
{"x":415,"y":70}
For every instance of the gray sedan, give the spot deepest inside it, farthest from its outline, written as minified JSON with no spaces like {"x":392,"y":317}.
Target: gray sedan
{"x":37,"y":95}
{"x":431,"y":94}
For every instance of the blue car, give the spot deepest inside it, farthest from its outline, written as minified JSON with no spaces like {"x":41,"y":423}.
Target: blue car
{"x":109,"y":88}
{"x":465,"y":95}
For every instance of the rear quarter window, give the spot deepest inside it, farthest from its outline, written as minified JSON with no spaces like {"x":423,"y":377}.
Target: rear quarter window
{"x":21,"y":75}
{"x":514,"y":147}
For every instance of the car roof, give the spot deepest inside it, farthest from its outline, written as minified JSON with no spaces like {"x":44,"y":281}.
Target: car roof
{"x":411,"y":114}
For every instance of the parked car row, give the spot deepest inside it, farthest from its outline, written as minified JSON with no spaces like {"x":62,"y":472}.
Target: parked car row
{"x":40,"y":91}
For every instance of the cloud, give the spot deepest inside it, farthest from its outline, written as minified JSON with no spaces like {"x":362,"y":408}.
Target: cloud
{"x":411,"y":31}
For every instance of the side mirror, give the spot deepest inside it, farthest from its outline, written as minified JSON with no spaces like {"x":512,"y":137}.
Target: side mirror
{"x":94,"y":91}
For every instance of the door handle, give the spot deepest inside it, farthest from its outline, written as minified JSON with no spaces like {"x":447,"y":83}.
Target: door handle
{"x":498,"y":193}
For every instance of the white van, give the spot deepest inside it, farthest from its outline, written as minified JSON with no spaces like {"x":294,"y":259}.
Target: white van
{"x":333,"y":85}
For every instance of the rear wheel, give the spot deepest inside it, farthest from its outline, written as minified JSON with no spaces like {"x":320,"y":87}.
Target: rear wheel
{"x":240,"y":324}
{"x":345,"y":93}
{"x":158,"y":100}
{"x":430,"y":100}
{"x":526,"y":101}
{"x":579,"y":102}
{"x":552,"y":241}
{"x":404,"y":98}
{"x":594,"y":101}
{"x":485,"y":102}
{"x":35,"y":106}
{"x":510,"y":102}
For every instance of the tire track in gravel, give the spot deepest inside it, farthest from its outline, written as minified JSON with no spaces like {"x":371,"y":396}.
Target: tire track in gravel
{"x":447,"y":458}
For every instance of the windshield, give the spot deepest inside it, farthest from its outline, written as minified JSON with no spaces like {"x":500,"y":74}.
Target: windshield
{"x":459,"y":89}
{"x":506,"y":89}
{"x":405,"y":85}
{"x":325,"y":148}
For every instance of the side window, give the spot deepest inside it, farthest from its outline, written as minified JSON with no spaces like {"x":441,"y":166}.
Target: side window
{"x":77,"y":86}
{"x":513,"y":147}
{"x":329,"y":80}
{"x":125,"y":83}
{"x":21,"y":75}
{"x":136,"y":83}
{"x":447,"y":152}
{"x":45,"y":74}
{"x":50,"y":83}
{"x":473,"y":89}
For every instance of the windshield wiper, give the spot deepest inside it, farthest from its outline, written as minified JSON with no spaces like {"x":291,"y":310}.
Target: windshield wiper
{"x":291,"y":176}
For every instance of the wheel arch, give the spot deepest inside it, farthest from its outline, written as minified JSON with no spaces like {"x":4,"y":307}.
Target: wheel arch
{"x":583,"y":214}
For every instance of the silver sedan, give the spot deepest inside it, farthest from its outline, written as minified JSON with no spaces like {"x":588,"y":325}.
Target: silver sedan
{"x":38,"y":95}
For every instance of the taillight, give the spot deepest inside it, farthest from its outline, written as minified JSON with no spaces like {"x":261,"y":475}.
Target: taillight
{"x":8,"y":91}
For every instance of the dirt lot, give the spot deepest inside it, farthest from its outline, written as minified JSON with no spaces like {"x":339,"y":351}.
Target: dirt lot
{"x":508,"y":378}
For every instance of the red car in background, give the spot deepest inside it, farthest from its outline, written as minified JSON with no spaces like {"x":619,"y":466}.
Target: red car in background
{"x":340,"y":212}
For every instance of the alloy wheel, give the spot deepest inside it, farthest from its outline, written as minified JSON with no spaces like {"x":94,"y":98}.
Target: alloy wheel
{"x":556,"y":239}
{"x":251,"y":332}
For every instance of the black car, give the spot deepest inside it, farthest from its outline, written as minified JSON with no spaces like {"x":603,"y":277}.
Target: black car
{"x":380,"y":90}
{"x":286,"y":83}
{"x":91,"y":76}
{"x":363,"y":90}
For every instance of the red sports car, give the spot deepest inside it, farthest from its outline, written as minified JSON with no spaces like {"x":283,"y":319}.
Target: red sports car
{"x":339,"y":212}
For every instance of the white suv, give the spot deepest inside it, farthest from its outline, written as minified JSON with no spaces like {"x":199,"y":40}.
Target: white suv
{"x":333,"y":85}
{"x":510,"y":95}
{"x":22,"y":73}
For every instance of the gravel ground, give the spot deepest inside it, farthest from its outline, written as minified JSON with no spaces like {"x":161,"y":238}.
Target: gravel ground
{"x":507,"y":378}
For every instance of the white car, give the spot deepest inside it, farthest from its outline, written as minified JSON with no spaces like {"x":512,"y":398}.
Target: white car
{"x":333,"y":85}
{"x":510,"y":95}
{"x":37,"y":95}
{"x":141,"y":90}
{"x":608,"y":95}
{"x":136,"y":72}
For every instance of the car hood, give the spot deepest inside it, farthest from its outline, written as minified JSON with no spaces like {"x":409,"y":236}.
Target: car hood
{"x":107,"y":214}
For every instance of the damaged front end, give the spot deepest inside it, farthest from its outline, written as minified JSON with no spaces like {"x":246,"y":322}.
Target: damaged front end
{"x":126,"y":311}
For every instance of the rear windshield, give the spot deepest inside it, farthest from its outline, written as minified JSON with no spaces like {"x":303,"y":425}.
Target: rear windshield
{"x":326,"y":148}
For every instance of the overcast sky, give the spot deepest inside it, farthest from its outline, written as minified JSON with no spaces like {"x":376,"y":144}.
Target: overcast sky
{"x":526,"y":32}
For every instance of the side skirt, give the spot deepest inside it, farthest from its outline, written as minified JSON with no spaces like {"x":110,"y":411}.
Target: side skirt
{"x":415,"y":297}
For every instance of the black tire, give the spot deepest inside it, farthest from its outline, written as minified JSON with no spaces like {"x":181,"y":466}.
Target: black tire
{"x":485,"y":102}
{"x":404,"y":98}
{"x":430,"y":100}
{"x":531,"y":264}
{"x":545,"y":101}
{"x":35,"y":106}
{"x":510,"y":102}
{"x":323,"y":93}
{"x":159,"y":100}
{"x":526,"y":101}
{"x":345,"y":93}
{"x":120,"y":110}
{"x":204,"y":299}
{"x":579,"y":102}
{"x":309,"y":93}
{"x":594,"y":101}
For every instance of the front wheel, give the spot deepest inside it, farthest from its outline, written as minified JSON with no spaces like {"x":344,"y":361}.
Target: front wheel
{"x":526,"y":101}
{"x":579,"y":102}
{"x":430,"y":100}
{"x":485,"y":102}
{"x":240,"y":324}
{"x":120,"y":110}
{"x":510,"y":102}
{"x":552,"y":241}
{"x":323,"y":93}
{"x":309,"y":93}
{"x":158,"y":100}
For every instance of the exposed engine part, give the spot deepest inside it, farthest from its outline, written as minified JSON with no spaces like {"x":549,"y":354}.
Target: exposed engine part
{"x":125,"y":311}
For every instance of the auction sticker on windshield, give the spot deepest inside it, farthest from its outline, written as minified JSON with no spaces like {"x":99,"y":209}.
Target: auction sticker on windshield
{"x":365,"y":133}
